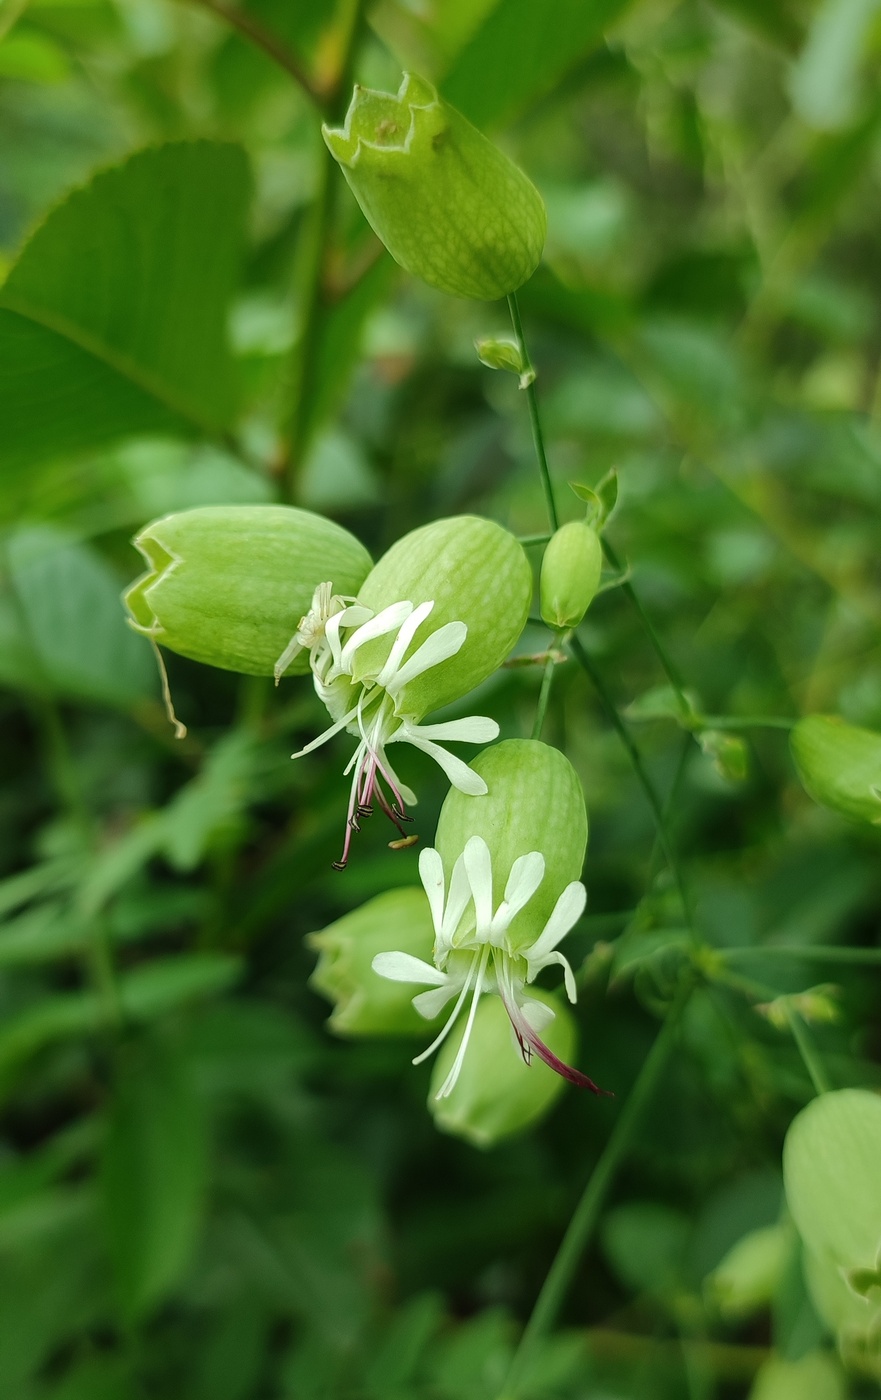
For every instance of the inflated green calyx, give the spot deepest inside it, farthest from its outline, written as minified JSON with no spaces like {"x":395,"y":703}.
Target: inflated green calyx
{"x":570,"y":574}
{"x":228,"y":585}
{"x":839,"y":765}
{"x":449,"y":205}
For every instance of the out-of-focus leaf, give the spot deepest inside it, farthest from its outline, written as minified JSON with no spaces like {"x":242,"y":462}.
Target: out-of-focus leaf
{"x":750,"y":1274}
{"x":153,"y":1174}
{"x":645,"y":1243}
{"x":830,"y":1167}
{"x":98,"y":1378}
{"x":522,"y":51}
{"x":71,"y":627}
{"x":166,"y":983}
{"x":825,"y":80}
{"x":210,"y":803}
{"x":32,"y":58}
{"x":112,"y":320}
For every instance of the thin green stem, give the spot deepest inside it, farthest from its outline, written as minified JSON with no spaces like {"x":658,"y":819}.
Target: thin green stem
{"x":537,"y":435}
{"x":544,"y":696}
{"x":611,"y":709}
{"x":750,"y":722}
{"x":802,"y":953}
{"x":266,"y":40}
{"x":528,"y":540}
{"x":667,"y":665}
{"x":586,"y":1214}
{"x":812,"y":1062}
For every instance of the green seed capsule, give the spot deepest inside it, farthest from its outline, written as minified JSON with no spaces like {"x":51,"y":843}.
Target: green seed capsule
{"x":534,"y":802}
{"x":496,"y":1095}
{"x":839,"y":765}
{"x":475,"y":573}
{"x":364,"y":1003}
{"x":450,"y":207}
{"x":570,"y":574}
{"x":227,"y":585}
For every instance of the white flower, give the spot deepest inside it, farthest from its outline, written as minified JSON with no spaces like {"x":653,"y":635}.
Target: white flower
{"x":474,"y":951}
{"x":371,"y":706}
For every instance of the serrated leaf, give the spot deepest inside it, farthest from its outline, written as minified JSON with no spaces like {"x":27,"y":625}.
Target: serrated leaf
{"x":112,"y":321}
{"x":153,"y":1175}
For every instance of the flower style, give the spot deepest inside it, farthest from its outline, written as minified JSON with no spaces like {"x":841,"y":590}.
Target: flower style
{"x":475,"y":952}
{"x":366,"y":698}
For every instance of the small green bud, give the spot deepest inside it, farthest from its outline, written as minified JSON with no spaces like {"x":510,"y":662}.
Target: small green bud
{"x":534,"y":802}
{"x":728,"y":753}
{"x":365,"y":1004}
{"x":839,"y":765}
{"x":504,"y":354}
{"x":450,"y":207}
{"x":570,"y":574}
{"x":475,"y":573}
{"x":496,"y":1094}
{"x":227,"y":585}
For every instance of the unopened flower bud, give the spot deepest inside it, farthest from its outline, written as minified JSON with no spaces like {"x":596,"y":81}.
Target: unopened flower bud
{"x":504,"y":354}
{"x":570,"y":574}
{"x":365,"y":1004}
{"x":496,"y":1094}
{"x":450,"y":207}
{"x":839,"y":765}
{"x":228,"y":585}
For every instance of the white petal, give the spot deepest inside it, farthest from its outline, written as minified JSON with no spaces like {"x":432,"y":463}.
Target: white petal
{"x":457,"y":902}
{"x":566,"y":912}
{"x":459,"y":774}
{"x":526,"y":875}
{"x":402,"y":641}
{"x":389,"y":620}
{"x":568,"y":974}
{"x":431,"y":873}
{"x":430,"y":1004}
{"x":440,"y":646}
{"x":473,"y":729}
{"x":403,"y":967}
{"x":480,"y":877}
{"x":538,"y":1014}
{"x":328,"y":734}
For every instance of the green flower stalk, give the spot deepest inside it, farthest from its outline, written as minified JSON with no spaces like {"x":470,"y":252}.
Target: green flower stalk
{"x":449,"y":205}
{"x":435,"y":617}
{"x":503,"y":893}
{"x":226,"y":584}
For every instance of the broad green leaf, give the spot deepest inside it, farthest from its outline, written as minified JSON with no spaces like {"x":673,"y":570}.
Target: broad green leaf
{"x":166,"y":983}
{"x":522,"y":51}
{"x":71,"y":638}
{"x":153,"y":1175}
{"x":112,"y":321}
{"x":831,"y":1175}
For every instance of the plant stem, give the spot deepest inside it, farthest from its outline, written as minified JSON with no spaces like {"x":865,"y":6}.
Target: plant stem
{"x":750,"y":722}
{"x":584,"y":1219}
{"x":313,"y":263}
{"x":537,"y":435}
{"x":544,"y":696}
{"x":263,"y":38}
{"x":812,"y":1063}
{"x":611,"y":709}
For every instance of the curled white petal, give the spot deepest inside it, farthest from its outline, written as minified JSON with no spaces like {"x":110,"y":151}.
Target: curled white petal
{"x":403,"y":967}
{"x":384,"y":622}
{"x":566,"y":912}
{"x":402,"y":641}
{"x":472,"y":729}
{"x":478,"y":864}
{"x":440,"y":646}
{"x":526,"y":875}
{"x":431,"y":873}
{"x":459,"y":774}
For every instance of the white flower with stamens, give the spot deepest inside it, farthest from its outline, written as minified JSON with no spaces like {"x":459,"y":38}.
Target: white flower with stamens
{"x":475,"y":951}
{"x":372,"y":705}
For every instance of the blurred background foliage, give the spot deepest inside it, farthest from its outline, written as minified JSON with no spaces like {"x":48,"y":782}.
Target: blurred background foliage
{"x":203,"y":1193}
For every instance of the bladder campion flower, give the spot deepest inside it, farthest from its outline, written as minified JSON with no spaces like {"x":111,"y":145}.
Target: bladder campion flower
{"x":434,"y":618}
{"x":449,"y":205}
{"x":534,"y":833}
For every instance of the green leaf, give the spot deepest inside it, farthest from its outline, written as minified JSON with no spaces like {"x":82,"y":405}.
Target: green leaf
{"x":153,"y":1176}
{"x":70,"y":627}
{"x":830,"y":1170}
{"x":112,"y":321}
{"x":816,"y":1375}
{"x":166,"y":983}
{"x":522,"y":51}
{"x":824,"y":83}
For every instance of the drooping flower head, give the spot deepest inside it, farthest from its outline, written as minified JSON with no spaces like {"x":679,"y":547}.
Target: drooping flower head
{"x":435,"y":617}
{"x":449,"y":205}
{"x":503,"y":892}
